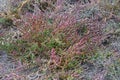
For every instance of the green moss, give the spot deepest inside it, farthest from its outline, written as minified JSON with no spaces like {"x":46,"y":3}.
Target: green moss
{"x":6,"y":22}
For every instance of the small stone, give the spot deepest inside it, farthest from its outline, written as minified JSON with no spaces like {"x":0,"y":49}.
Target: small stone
{"x":1,"y":77}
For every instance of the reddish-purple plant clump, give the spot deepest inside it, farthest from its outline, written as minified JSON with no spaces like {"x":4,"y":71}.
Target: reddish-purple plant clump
{"x":63,"y":32}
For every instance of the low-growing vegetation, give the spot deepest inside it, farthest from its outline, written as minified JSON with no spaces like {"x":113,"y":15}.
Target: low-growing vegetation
{"x":68,"y":34}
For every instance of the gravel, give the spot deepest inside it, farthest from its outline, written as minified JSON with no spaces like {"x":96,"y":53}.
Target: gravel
{"x":4,"y":5}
